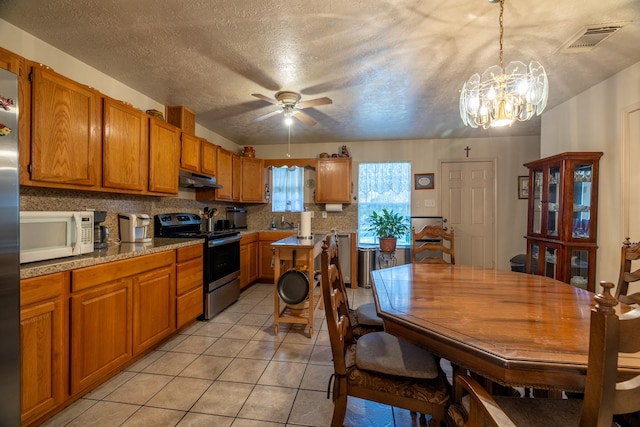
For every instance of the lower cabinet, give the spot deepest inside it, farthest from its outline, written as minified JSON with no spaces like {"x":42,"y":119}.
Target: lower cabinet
{"x":43,"y":344}
{"x":117,"y":310}
{"x":249,"y":261}
{"x":189,"y":289}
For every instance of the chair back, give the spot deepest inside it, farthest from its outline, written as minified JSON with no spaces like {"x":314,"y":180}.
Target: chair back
{"x":336,"y":309}
{"x":421,"y":251}
{"x":612,"y":338}
{"x":630,"y":252}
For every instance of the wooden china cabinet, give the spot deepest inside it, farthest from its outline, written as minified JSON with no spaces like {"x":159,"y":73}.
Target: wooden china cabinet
{"x":563,"y":217}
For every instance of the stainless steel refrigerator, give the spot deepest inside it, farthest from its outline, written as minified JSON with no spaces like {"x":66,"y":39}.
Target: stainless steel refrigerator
{"x":418,"y":222}
{"x":9,"y":252}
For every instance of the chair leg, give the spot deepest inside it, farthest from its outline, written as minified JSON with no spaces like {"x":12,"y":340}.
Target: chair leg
{"x":339,"y":402}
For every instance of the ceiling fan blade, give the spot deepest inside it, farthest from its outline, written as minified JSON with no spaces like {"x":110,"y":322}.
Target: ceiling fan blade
{"x":304,"y":118}
{"x":265,"y":98}
{"x":266,"y":116}
{"x":315,"y":102}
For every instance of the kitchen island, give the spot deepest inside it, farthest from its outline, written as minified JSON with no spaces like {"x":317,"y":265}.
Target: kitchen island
{"x":304,"y":251}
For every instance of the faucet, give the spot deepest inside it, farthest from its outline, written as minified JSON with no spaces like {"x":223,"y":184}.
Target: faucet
{"x":283,"y":222}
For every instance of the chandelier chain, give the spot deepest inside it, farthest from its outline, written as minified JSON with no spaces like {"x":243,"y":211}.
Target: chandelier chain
{"x":501,"y":29}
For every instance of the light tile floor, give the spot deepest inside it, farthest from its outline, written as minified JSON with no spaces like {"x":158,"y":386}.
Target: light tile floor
{"x":232,"y":371}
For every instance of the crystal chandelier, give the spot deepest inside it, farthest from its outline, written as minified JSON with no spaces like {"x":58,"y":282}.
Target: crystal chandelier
{"x":504,"y":95}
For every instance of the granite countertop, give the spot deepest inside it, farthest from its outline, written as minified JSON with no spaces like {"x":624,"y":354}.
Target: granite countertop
{"x":114,"y":252}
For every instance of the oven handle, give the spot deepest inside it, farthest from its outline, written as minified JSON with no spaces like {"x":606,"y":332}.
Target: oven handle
{"x":223,"y":241}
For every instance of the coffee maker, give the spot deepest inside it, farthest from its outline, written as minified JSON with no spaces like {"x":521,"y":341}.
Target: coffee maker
{"x":134,"y":227}
{"x":100,"y":232}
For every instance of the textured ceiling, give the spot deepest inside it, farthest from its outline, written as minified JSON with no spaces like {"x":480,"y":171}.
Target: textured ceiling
{"x":393,"y":68}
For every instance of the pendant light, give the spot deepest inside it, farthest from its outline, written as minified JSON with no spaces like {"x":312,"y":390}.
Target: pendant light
{"x":501,"y":96}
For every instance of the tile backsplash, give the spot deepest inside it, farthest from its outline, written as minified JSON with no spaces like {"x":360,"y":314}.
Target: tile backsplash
{"x":258,"y":215}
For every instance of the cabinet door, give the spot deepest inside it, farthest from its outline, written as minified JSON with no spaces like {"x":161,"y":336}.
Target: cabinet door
{"x":164,"y":143}
{"x":125,"y":147}
{"x":244,"y":266}
{"x":254,"y":262}
{"x":153,"y":307}
{"x":225,"y":174}
{"x":252,"y":179}
{"x":236,"y":189}
{"x":333,"y":180}
{"x":209,"y":158}
{"x":266,"y":258}
{"x":190,"y":153}
{"x":43,"y":343}
{"x":65,"y":131}
{"x":101,"y":327}
{"x":189,"y":287}
{"x":545,"y":259}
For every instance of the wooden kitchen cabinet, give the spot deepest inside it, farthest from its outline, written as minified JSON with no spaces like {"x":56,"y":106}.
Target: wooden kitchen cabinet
{"x":333,"y":180}
{"x":191,"y":153}
{"x":66,"y":146}
{"x":125,"y":147}
{"x":249,"y":261}
{"x":10,"y":61}
{"x":209,"y":159}
{"x":182,"y":118}
{"x":266,"y":253}
{"x":107,"y":319}
{"x":225,"y":174}
{"x":563,"y":217}
{"x":164,"y":154}
{"x":44,"y":356}
{"x":154,"y":307}
{"x":252,"y":180}
{"x":189,"y":286}
{"x":236,"y":182}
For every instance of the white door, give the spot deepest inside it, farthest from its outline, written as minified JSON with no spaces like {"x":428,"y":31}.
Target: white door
{"x":468,"y":204}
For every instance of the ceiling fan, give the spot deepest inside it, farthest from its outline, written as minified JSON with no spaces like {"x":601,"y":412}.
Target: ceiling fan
{"x":290,"y":106}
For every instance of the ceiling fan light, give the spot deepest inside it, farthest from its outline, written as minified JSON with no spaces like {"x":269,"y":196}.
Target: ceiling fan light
{"x":288,"y":121}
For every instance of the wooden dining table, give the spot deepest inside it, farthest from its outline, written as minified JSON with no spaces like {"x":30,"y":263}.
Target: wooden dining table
{"x":512,"y":328}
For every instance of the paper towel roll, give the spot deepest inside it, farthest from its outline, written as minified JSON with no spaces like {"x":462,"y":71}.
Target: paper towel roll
{"x":305,"y":224}
{"x":333,"y":207}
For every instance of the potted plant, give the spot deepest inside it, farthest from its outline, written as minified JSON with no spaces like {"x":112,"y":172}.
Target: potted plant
{"x":387,"y":226}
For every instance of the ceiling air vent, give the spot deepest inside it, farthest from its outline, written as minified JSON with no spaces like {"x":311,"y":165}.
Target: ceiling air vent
{"x":589,"y":37}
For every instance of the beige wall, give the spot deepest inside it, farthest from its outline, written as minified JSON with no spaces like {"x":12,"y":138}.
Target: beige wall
{"x":593,"y":121}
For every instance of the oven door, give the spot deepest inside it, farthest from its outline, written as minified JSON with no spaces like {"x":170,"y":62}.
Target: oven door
{"x":222,"y":262}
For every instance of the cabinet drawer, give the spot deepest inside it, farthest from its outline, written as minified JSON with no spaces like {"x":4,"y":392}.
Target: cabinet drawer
{"x":43,"y":287}
{"x":87,"y":277}
{"x":189,"y":252}
{"x":189,"y":275}
{"x":190,"y":306}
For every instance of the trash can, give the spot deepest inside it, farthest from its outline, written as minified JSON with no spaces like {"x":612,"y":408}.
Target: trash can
{"x":366,"y":264}
{"x":518,"y":263}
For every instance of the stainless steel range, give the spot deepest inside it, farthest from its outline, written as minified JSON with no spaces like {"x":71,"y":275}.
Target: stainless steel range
{"x":221,"y":272}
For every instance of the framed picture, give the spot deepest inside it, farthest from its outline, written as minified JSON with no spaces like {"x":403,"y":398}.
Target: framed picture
{"x":523,"y":187}
{"x":423,"y":181}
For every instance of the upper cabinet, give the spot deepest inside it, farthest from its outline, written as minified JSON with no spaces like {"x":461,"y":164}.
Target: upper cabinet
{"x":164,"y":148}
{"x":333,"y":180}
{"x":190,"y":153}
{"x":209,"y":159}
{"x":225,"y":174}
{"x":65,"y":148}
{"x":10,"y":61}
{"x":252,"y":180}
{"x":125,"y":147}
{"x":563,"y":217}
{"x":236,"y":181}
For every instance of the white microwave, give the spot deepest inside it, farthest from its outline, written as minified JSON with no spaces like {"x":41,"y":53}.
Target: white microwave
{"x":49,"y":235}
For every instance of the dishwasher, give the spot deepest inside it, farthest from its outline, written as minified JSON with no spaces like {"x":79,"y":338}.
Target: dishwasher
{"x":344,"y":246}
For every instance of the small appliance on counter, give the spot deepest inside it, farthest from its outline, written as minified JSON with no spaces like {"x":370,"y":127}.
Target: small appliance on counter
{"x":134,"y":227}
{"x":100,"y":232}
{"x":237,"y":217}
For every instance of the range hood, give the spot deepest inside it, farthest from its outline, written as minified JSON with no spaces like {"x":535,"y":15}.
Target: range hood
{"x":194,"y":180}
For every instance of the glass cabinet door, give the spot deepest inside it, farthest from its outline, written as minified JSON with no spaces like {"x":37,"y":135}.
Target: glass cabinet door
{"x":582,"y":193}
{"x":579,"y":268}
{"x":537,"y":202}
{"x":553,"y":201}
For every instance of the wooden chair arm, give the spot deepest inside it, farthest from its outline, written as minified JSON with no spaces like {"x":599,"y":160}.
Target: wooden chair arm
{"x":482,"y":407}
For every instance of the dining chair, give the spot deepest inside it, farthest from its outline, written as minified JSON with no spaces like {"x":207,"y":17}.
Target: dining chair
{"x":377,"y":366}
{"x":630,"y":252}
{"x":606,"y":393}
{"x":430,"y":239}
{"x":364,"y":318}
